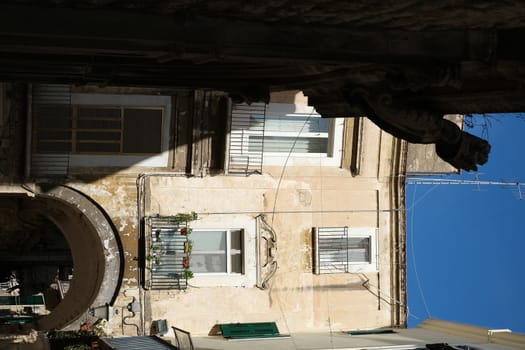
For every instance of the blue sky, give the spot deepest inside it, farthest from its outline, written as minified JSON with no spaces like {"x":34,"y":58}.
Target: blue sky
{"x":466,"y":245}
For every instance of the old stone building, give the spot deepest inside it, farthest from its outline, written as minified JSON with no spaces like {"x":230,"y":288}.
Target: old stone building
{"x":402,"y":66}
{"x":155,"y":139}
{"x":292,"y":219}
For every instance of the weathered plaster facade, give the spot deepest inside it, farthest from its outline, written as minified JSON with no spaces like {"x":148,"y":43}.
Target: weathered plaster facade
{"x":307,"y":197}
{"x":292,"y":201}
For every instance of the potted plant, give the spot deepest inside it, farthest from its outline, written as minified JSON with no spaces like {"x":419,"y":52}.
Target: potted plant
{"x":188,"y":245}
{"x":187,"y":274}
{"x":154,"y":258}
{"x":184,"y":217}
{"x":154,"y":255}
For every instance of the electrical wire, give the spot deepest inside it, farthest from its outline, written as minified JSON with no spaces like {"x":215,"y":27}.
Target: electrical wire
{"x":364,"y":285}
{"x":273,"y":216}
{"x":388,"y":298}
{"x":303,"y":211}
{"x":286,"y":163}
{"x":413,"y":250}
{"x":422,"y":197}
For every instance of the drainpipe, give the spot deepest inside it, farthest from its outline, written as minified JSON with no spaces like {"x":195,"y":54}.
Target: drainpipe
{"x":141,"y":210}
{"x":228,"y":136}
{"x":29,"y":127}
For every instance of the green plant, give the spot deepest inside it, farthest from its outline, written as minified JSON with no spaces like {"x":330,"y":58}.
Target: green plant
{"x":155,"y":253}
{"x":187,"y":274}
{"x":71,"y":340}
{"x":154,"y":258}
{"x":184,"y":217}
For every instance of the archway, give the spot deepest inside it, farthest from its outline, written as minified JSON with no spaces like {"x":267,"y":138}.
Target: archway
{"x":94,"y":252}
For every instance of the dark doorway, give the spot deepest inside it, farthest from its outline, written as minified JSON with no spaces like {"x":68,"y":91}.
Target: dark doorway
{"x":36,"y":264}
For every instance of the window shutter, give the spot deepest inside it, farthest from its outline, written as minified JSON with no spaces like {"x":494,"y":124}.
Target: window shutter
{"x":337,"y":250}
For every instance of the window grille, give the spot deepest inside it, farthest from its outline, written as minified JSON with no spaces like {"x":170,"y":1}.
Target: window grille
{"x":165,"y":252}
{"x":343,"y":250}
{"x":247,"y":123}
{"x":266,"y":135}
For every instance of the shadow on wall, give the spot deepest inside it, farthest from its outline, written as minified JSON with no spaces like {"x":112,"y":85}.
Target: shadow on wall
{"x":92,"y":250}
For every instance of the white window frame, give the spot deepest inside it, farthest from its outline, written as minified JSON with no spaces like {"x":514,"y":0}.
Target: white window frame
{"x":357,"y":266}
{"x":335,"y":139}
{"x":123,"y":160}
{"x":365,"y":232}
{"x":248,"y":278}
{"x":227,"y":251}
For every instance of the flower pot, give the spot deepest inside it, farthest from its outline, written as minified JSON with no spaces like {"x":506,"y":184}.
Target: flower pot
{"x":186,"y":262}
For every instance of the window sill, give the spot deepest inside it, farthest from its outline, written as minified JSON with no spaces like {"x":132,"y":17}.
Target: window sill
{"x":222,"y":280}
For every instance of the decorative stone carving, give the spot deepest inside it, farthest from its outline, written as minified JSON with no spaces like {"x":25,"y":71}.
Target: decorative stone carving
{"x":422,"y":125}
{"x":266,"y":252}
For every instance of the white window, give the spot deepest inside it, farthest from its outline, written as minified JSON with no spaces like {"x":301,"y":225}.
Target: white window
{"x":98,"y":129}
{"x":106,"y":130}
{"x":270,"y":133}
{"x":344,"y":249}
{"x":295,"y":133}
{"x":176,"y":251}
{"x":217,"y":251}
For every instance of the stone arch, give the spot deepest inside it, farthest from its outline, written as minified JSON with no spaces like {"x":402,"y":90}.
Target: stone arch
{"x":96,"y":254}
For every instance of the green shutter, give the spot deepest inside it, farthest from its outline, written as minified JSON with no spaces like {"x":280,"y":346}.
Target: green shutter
{"x":23,"y":300}
{"x":249,"y":330}
{"x":371,"y":331}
